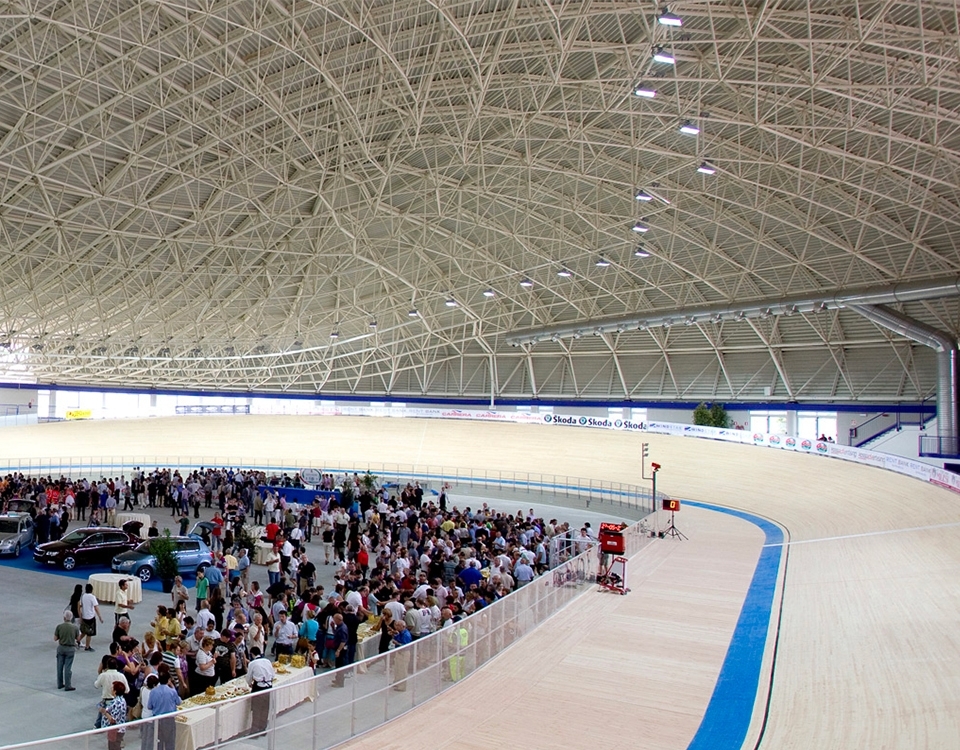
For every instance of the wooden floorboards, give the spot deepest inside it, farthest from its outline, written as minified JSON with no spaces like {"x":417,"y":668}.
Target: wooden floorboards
{"x":868,"y":655}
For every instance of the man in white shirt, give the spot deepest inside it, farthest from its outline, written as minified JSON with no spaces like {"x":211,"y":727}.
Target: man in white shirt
{"x":204,"y":615}
{"x":260,"y":676}
{"x":89,"y":614}
{"x":122,"y":606}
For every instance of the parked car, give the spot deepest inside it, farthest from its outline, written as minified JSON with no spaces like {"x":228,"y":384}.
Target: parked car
{"x":16,"y":532}
{"x":20,"y":505}
{"x":96,"y":545}
{"x":192,"y":553}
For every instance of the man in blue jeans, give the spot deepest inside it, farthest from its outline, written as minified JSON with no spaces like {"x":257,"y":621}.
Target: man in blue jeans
{"x":66,"y":634}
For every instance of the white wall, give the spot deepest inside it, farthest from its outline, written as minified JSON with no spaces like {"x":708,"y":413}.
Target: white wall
{"x":18,"y":400}
{"x":906,"y":443}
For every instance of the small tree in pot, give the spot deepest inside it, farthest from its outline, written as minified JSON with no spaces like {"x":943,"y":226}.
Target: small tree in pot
{"x":162,"y":548}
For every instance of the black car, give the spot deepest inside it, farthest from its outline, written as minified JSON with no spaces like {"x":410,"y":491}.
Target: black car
{"x":95,"y":545}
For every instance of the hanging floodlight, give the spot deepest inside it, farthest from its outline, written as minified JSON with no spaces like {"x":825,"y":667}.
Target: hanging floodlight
{"x":643,"y":195}
{"x":689,"y":128}
{"x":645,"y":92}
{"x":669,"y":19}
{"x":640,"y":227}
{"x":663,"y":57}
{"x":705,"y":168}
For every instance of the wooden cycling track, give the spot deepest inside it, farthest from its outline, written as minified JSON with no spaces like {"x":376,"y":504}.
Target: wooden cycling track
{"x":861,"y":651}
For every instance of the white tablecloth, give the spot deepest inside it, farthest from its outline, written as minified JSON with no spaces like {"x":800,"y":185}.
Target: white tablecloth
{"x":105,"y":587}
{"x":198,"y":727}
{"x":143,"y":518}
{"x":261,"y":553}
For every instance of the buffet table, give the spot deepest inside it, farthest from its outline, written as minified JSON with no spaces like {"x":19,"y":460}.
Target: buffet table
{"x":105,"y":586}
{"x":199,"y":727}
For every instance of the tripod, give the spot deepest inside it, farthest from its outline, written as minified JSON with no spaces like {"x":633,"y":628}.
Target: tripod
{"x":672,"y":529}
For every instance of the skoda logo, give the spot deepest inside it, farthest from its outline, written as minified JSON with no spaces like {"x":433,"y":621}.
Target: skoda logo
{"x":583,"y":420}
{"x":547,"y":417}
{"x":618,"y":424}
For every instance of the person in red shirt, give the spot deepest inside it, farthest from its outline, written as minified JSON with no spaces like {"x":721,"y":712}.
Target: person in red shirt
{"x":270,"y":531}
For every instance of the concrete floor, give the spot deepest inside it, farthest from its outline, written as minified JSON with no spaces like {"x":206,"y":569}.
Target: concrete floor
{"x":36,"y":598}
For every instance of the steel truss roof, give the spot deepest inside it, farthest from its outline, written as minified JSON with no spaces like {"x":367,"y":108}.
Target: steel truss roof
{"x":200,"y":194}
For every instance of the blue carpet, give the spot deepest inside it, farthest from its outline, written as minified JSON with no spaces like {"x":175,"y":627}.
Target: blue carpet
{"x":26,"y":562}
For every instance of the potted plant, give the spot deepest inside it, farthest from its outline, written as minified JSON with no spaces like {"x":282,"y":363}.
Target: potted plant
{"x":369,"y":482}
{"x":163,"y":552}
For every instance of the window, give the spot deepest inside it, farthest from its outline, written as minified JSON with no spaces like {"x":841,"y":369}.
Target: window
{"x":812,"y":424}
{"x":773,"y":422}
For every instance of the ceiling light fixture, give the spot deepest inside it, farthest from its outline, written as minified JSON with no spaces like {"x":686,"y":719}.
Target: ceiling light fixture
{"x":705,"y":168}
{"x":414,"y":313}
{"x":640,"y":227}
{"x":602,"y":262}
{"x":451,"y":302}
{"x":643,"y":195}
{"x":489,"y":293}
{"x":641,"y":252}
{"x":663,"y":57}
{"x":334,"y":334}
{"x":669,"y":19}
{"x":373,"y":324}
{"x":644,"y":92}
{"x":526,"y":283}
{"x":688,"y":128}
{"x":565,"y":273}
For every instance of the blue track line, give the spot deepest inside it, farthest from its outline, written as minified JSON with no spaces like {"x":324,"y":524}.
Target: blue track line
{"x":726,"y":721}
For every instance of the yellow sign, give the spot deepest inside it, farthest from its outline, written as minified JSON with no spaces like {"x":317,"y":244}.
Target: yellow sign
{"x":79,"y":413}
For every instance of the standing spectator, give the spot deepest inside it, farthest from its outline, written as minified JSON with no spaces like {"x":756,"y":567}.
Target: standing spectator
{"x":89,"y":614}
{"x":164,"y":700}
{"x":401,"y":657}
{"x":114,"y":714}
{"x":179,"y":592}
{"x":285,"y":634}
{"x":243,"y":565}
{"x":122,"y":606}
{"x":340,"y":637}
{"x":203,"y":587}
{"x":66,"y":634}
{"x":225,"y":654}
{"x":214,"y":576}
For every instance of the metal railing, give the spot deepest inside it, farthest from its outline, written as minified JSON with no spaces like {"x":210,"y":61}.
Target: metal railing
{"x":939,"y":446}
{"x":317,"y":713}
{"x":629,"y":499}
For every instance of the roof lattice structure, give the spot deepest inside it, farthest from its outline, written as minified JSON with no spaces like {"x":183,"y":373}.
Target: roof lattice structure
{"x":200,"y":194}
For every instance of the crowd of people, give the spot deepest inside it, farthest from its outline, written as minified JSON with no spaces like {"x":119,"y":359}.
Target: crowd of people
{"x":405,"y":560}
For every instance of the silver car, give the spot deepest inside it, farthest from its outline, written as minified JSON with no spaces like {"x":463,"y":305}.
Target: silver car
{"x":16,"y":532}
